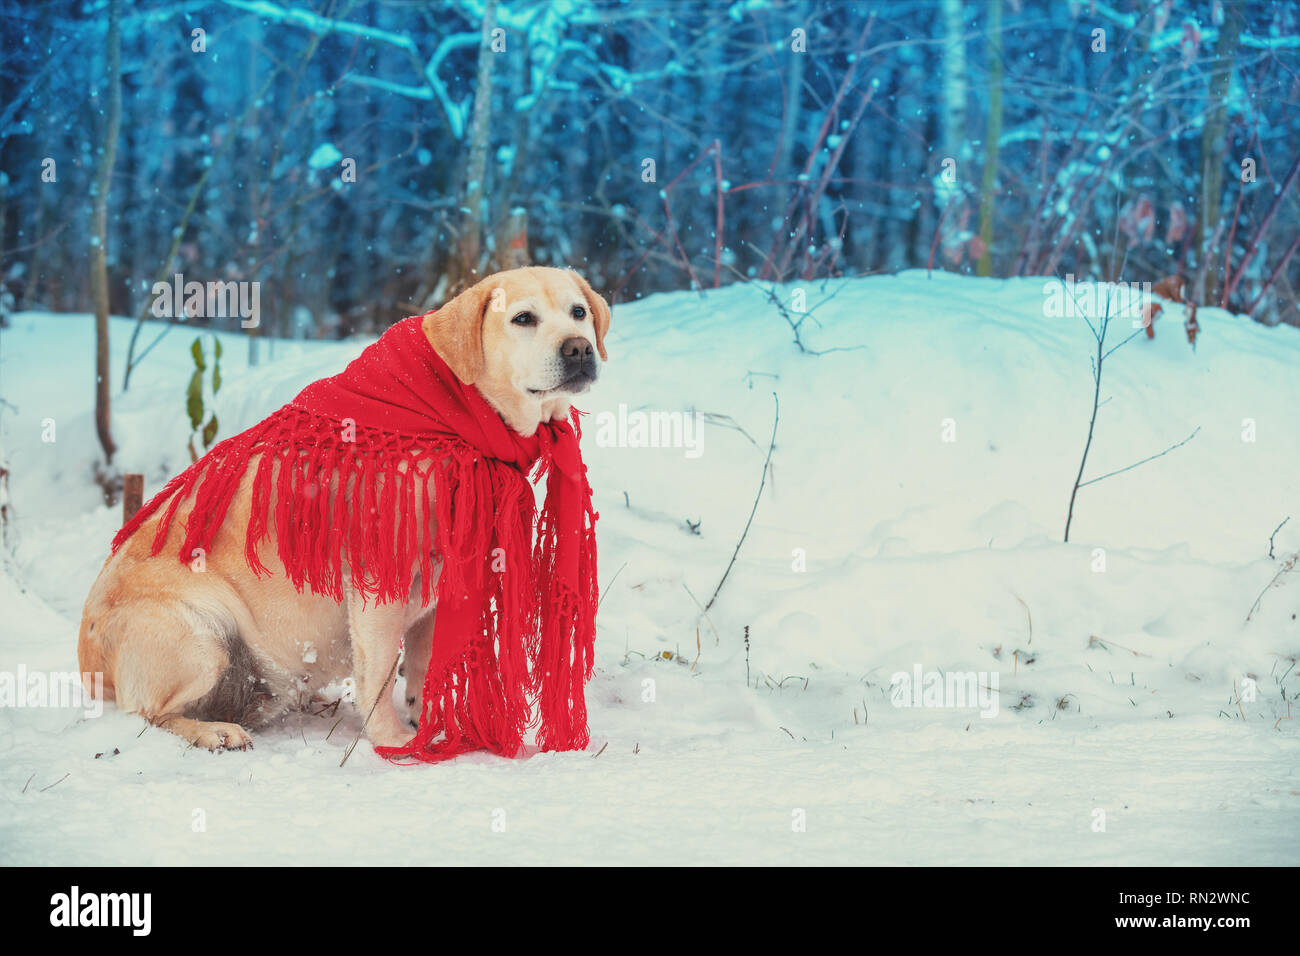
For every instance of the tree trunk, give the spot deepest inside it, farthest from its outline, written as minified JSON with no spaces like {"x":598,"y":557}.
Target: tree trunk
{"x":512,"y":194}
{"x":985,"y":265}
{"x":99,"y":227}
{"x":897,"y":211}
{"x":791,"y":114}
{"x":952,"y":133}
{"x":470,"y":248}
{"x":954,"y":79}
{"x":1213,"y":146}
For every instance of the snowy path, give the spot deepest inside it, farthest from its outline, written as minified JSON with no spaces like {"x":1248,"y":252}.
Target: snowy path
{"x":1190,"y":793}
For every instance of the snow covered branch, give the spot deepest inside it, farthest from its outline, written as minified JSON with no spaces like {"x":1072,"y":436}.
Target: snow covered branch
{"x":323,"y":25}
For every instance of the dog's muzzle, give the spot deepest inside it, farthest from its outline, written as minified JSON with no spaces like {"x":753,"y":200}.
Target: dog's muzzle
{"x":578,"y":359}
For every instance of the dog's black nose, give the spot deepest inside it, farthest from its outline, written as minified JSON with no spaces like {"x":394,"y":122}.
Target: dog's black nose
{"x":575,"y":351}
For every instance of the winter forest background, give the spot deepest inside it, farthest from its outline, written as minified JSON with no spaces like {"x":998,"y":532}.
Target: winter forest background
{"x":654,"y":144}
{"x":362,"y":161}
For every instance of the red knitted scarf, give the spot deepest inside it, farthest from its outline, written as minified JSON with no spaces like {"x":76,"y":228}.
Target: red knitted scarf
{"x":344,"y":472}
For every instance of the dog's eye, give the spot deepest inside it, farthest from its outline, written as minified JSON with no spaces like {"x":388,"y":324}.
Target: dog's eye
{"x":524,"y":318}
{"x":579,"y":312}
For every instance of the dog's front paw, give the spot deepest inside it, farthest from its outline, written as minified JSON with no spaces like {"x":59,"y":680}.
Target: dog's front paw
{"x":388,"y":733}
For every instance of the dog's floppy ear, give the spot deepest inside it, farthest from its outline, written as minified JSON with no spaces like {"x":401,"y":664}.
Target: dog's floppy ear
{"x":599,"y":312}
{"x":456,"y":331}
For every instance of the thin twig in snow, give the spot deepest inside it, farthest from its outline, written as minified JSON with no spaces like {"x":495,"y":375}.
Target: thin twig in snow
{"x":1098,"y":364}
{"x":56,"y":782}
{"x":1274,"y":535}
{"x":384,"y":688}
{"x":717,"y":638}
{"x":605,"y":589}
{"x":1286,"y":568}
{"x":776,"y":418}
{"x":1120,"y":471}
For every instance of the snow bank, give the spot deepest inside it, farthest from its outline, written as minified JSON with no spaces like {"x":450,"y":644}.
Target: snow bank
{"x":912,"y":519}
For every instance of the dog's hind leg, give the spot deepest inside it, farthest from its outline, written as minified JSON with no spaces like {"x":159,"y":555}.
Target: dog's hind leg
{"x":180,"y":666}
{"x":212,"y":735}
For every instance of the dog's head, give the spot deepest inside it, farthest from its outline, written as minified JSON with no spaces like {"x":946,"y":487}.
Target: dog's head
{"x":527,"y":338}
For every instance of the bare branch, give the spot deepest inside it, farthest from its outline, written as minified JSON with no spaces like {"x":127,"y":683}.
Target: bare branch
{"x":776,"y":418}
{"x":1120,"y":471}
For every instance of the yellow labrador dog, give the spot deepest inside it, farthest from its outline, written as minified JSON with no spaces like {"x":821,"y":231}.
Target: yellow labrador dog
{"x":208,"y":655}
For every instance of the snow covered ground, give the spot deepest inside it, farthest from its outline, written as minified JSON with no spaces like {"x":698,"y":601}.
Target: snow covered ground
{"x":912,"y":518}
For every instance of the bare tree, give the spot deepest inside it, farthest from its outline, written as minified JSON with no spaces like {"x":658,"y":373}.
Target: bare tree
{"x":992,"y":139}
{"x":99,"y":230}
{"x":1213,"y":147}
{"x":466,"y":264}
{"x":1098,"y":363}
{"x":954,"y":78}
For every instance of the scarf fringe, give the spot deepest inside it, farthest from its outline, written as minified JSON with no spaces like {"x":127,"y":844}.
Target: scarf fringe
{"x":309,"y":469}
{"x":512,"y":629}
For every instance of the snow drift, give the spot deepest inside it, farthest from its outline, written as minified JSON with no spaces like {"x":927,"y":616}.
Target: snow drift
{"x":910,"y":523}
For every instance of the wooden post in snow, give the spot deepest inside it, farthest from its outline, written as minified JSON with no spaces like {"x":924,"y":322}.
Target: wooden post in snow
{"x":132,"y":496}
